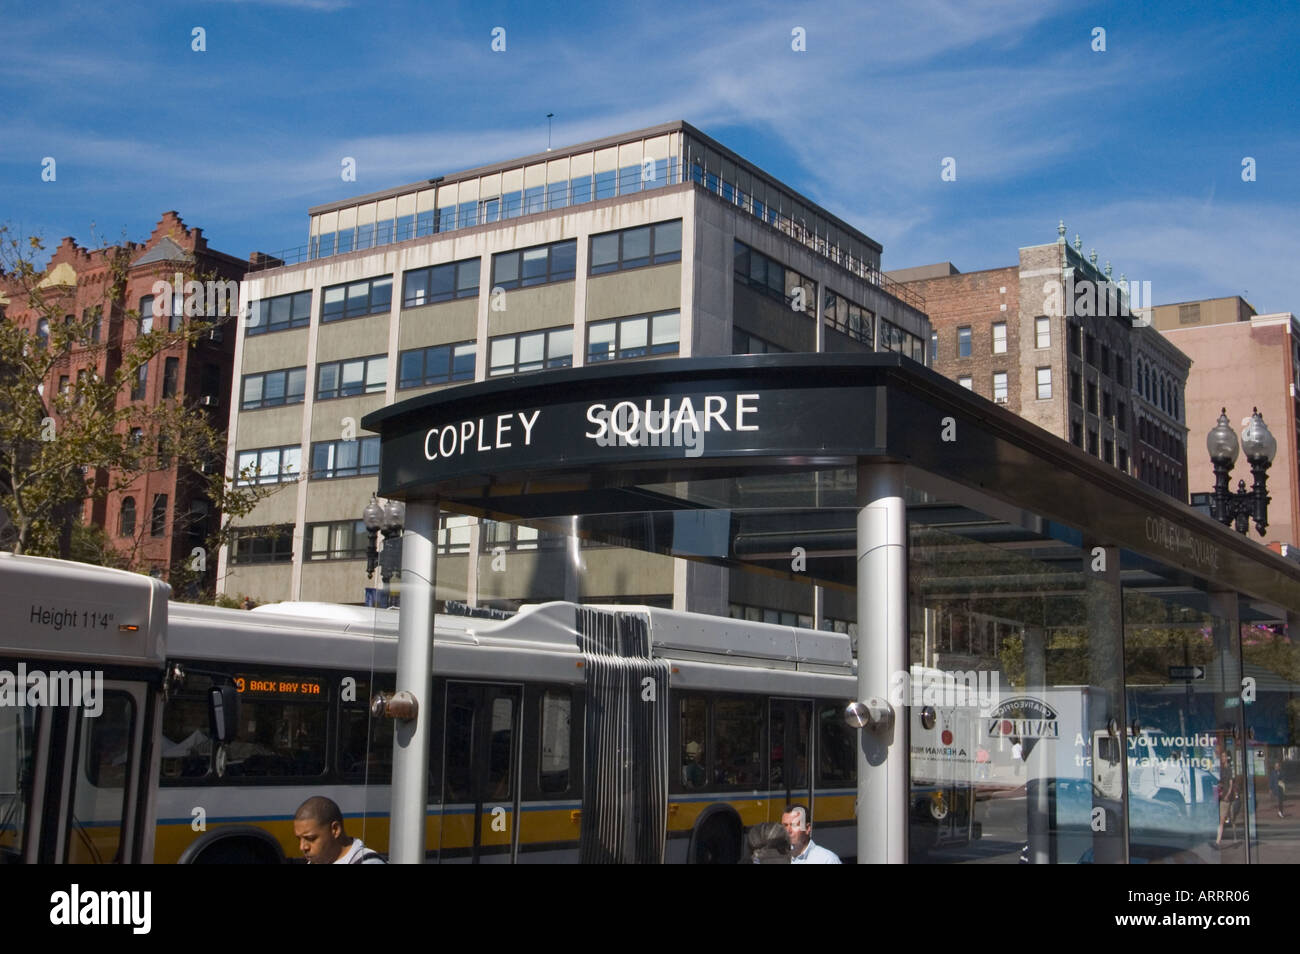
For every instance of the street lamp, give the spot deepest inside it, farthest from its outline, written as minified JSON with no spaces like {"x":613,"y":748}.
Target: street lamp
{"x":388,"y":518}
{"x":1260,"y":446}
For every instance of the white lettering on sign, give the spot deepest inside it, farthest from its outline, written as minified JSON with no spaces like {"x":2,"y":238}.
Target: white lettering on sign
{"x":630,"y":420}
{"x":478,"y":434}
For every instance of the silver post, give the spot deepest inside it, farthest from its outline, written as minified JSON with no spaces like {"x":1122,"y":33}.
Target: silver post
{"x":882,"y":650}
{"x":415,"y":675}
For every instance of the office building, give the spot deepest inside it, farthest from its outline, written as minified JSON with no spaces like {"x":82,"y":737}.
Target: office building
{"x":654,"y":243}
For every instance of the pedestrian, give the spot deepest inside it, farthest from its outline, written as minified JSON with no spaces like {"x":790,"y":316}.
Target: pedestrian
{"x":1278,"y":786}
{"x":1017,"y":756}
{"x":769,"y":844}
{"x":982,"y":762}
{"x":798,"y":825}
{"x":318,"y":826}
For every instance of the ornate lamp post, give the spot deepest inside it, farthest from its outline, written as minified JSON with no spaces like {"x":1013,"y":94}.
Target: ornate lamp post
{"x":1227,"y":506}
{"x":389,"y":519}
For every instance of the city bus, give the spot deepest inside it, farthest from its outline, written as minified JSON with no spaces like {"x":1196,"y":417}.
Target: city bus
{"x":562,"y":733}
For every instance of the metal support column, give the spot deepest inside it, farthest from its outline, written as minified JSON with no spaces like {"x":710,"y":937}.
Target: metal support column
{"x":414,"y":675}
{"x":882,"y":650}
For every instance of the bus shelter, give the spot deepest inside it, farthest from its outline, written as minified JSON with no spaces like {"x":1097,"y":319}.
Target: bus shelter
{"x":1054,"y":663}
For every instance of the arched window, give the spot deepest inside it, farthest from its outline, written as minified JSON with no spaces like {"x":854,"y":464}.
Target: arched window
{"x":126,"y":523}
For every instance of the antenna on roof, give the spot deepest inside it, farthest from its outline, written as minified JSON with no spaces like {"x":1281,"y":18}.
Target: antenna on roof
{"x":549,"y":117}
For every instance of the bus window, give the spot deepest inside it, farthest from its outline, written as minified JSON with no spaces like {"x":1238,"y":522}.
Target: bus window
{"x":500,"y":748}
{"x":187,"y":750}
{"x":738,"y":731}
{"x":282,"y":726}
{"x":365,"y":743}
{"x":17,"y":733}
{"x":693,"y":732}
{"x":837,"y":748}
{"x":99,"y":802}
{"x":554,"y":756}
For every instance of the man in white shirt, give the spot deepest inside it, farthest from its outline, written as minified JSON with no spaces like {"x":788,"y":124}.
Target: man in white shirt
{"x":318,"y":826}
{"x":798,"y":825}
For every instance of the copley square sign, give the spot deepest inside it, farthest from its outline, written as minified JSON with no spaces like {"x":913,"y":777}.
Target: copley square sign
{"x":475,"y":438}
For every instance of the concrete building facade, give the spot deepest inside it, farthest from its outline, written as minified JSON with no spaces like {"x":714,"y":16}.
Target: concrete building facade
{"x":659,"y":242}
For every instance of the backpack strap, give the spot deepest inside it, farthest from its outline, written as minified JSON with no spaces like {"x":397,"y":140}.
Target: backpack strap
{"x":364,"y":855}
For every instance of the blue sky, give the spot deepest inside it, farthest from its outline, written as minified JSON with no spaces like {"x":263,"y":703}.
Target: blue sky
{"x":1138,"y":148}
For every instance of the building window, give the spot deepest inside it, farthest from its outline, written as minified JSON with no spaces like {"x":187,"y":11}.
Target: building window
{"x":268,"y":465}
{"x":1105,"y":404}
{"x":273,"y":389}
{"x":1076,"y":388}
{"x":453,"y":534}
{"x":436,"y":365}
{"x":337,"y":379}
{"x":1105,"y":359}
{"x":999,"y":337}
{"x":43,"y":332}
{"x":262,"y":545}
{"x":141,"y":383}
{"x":425,"y":286}
{"x":1076,"y":434}
{"x":636,"y":248}
{"x":146,"y":314}
{"x":516,"y":536}
{"x":894,"y":338}
{"x":1121,"y":416}
{"x":1044,"y":383}
{"x":963,"y":342}
{"x":1092,"y":397}
{"x":1108,"y":451}
{"x":742,"y":342}
{"x":354,"y":458}
{"x":171,"y":376}
{"x":966,"y":382}
{"x":341,"y":540}
{"x":934,"y":347}
{"x":847,"y":317}
{"x":64,"y":384}
{"x":773,"y":279}
{"x":540,"y":265}
{"x":638,"y":336}
{"x":1042,"y":332}
{"x":164,"y":452}
{"x":355,"y":299}
{"x":999,"y":387}
{"x":1090,"y":350}
{"x":1123,"y":460}
{"x":96,"y":318}
{"x":1119,"y":371}
{"x":1092,"y":442}
{"x":1075,"y":334}
{"x":126,"y":518}
{"x":531,"y":351}
{"x":280,"y":313}
{"x":158,"y":518}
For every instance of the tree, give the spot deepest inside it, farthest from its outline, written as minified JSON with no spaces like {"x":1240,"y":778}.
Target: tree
{"x":71,"y":429}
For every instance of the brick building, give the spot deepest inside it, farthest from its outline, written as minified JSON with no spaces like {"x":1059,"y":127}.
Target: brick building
{"x":1052,"y":338}
{"x":163,"y":513}
{"x":1242,"y":360}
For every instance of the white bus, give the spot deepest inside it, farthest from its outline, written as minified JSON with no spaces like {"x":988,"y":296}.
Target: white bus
{"x":565,"y":732}
{"x":82,"y":671}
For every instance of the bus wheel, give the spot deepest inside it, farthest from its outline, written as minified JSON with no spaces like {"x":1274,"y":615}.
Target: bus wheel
{"x":236,"y":852}
{"x":717,"y":842}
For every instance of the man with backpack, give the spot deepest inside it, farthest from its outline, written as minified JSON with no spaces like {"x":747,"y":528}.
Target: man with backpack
{"x":318,"y":826}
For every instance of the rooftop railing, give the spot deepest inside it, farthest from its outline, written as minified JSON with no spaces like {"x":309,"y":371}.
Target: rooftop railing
{"x":561,"y":195}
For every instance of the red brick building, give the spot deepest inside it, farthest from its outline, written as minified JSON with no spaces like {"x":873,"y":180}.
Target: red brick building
{"x":1053,"y":339}
{"x":163,"y":513}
